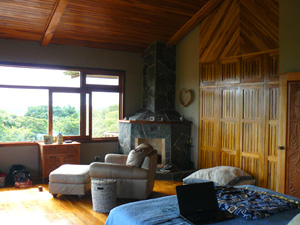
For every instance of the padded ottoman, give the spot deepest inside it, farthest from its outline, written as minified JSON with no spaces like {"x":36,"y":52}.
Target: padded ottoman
{"x":70,"y":179}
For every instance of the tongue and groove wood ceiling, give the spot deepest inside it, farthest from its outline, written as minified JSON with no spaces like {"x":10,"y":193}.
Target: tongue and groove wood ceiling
{"x":126,"y":25}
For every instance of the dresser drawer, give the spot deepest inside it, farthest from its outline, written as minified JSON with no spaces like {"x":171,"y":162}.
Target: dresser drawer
{"x":61,"y":150}
{"x":50,"y":168}
{"x":49,"y":160}
{"x":72,"y":159}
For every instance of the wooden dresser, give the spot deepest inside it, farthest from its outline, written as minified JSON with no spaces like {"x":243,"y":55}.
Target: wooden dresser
{"x":54,"y":155}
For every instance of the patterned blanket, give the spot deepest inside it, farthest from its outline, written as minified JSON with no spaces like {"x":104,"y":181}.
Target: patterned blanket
{"x":252,"y":205}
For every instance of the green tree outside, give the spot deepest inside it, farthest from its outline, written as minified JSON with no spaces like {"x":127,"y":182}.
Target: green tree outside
{"x":34,"y":123}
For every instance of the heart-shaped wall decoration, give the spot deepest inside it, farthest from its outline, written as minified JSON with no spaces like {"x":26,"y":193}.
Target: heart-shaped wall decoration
{"x":185,"y":97}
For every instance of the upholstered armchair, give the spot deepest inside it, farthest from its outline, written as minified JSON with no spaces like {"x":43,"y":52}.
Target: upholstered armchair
{"x":134,"y":181}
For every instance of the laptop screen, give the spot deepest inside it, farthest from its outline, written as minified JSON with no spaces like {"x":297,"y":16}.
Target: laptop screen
{"x":196,"y":198}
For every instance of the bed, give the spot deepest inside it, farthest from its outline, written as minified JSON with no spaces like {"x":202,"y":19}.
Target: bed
{"x":165,"y":210}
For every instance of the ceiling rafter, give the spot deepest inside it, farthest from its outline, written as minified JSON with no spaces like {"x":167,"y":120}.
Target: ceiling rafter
{"x":194,"y":21}
{"x":53,"y":21}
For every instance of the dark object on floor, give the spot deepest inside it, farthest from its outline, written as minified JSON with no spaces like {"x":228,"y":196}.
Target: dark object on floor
{"x":19,"y":176}
{"x":167,"y":168}
{"x":40,"y":188}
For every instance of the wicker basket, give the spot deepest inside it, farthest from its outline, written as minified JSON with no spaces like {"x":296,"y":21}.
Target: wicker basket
{"x":104,"y":195}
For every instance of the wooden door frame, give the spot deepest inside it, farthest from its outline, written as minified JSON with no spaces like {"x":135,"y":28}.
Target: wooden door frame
{"x":283,"y":85}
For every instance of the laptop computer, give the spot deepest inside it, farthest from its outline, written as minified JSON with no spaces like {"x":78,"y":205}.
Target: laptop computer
{"x":198,"y":204}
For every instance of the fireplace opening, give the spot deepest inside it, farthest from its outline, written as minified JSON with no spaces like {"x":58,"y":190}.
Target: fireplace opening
{"x":158,"y":144}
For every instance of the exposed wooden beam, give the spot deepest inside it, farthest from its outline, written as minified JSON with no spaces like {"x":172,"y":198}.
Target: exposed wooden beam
{"x":53,"y":21}
{"x":194,"y":21}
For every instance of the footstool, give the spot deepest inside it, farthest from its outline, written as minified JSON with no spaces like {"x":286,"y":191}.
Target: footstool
{"x":70,"y":179}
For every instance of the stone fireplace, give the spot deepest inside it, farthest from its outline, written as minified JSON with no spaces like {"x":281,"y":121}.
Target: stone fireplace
{"x":158,"y":123}
{"x":157,"y":143}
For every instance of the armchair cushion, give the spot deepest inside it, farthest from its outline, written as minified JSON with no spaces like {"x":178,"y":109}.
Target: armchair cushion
{"x":136,"y":156}
{"x":115,"y":158}
{"x":117,"y":171}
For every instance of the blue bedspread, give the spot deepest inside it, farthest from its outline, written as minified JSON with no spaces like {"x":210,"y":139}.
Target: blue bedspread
{"x":165,"y":211}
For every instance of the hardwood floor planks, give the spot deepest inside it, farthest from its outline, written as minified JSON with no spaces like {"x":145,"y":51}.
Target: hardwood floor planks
{"x":22,"y":206}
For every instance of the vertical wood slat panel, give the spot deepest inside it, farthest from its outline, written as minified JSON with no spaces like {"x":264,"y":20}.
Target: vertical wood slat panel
{"x":228,"y":134}
{"x":229,"y":104}
{"x":251,"y":166}
{"x":207,"y":159}
{"x":230,"y":70}
{"x":208,"y":101}
{"x":273,"y":66}
{"x":252,"y":69}
{"x":228,"y":127}
{"x":208,"y":73}
{"x":251,"y":104}
{"x":208,"y":134}
{"x":208,"y":156}
{"x":272,"y":175}
{"x":251,"y":135}
{"x":251,"y":132}
{"x":228,"y":159}
{"x":271,"y":143}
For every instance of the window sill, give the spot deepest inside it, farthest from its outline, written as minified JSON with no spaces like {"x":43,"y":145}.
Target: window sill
{"x":31,"y":143}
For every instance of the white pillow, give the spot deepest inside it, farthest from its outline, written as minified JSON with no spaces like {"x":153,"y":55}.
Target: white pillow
{"x":223,"y":175}
{"x":136,"y":156}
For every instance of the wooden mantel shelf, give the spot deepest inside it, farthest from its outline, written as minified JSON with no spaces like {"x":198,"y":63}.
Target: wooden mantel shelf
{"x":154,"y":122}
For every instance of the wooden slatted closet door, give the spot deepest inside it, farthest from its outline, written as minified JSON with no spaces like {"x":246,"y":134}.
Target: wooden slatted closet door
{"x":252,"y":132}
{"x":271,"y":139}
{"x":208,"y":132}
{"x":293,"y":140}
{"x":229,"y":126}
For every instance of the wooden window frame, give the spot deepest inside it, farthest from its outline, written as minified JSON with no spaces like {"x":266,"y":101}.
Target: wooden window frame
{"x":83,"y":90}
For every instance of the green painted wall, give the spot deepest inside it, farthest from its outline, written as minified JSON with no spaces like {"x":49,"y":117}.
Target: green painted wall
{"x":289,"y":36}
{"x":187,"y":77}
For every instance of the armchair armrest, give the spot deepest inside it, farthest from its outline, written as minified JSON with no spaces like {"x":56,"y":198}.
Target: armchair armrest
{"x":115,"y":158}
{"x":116,"y":171}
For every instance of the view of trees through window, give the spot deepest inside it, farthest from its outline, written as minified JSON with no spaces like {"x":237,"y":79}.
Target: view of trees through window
{"x":34,"y":124}
{"x":24,"y":111}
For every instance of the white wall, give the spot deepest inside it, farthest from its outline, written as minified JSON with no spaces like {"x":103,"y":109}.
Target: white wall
{"x":31,"y":52}
{"x":187,"y":77}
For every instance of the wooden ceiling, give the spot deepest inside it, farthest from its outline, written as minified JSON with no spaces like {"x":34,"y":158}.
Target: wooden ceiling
{"x":126,"y":25}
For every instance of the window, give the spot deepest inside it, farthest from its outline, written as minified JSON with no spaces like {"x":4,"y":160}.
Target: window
{"x":83,"y":104}
{"x":105,"y":112}
{"x":66,"y":113}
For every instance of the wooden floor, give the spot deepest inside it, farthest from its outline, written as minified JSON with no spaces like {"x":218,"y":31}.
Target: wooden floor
{"x":29,"y":206}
